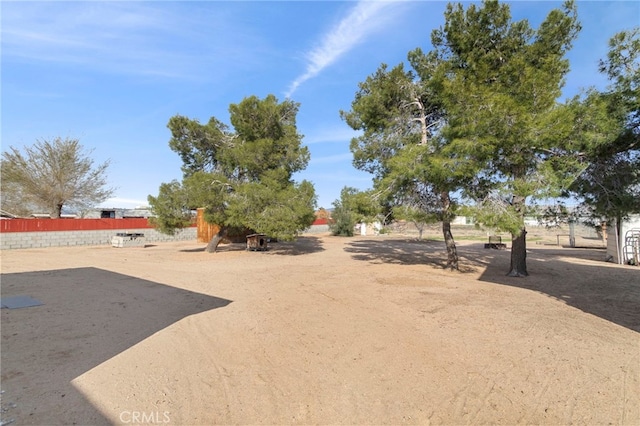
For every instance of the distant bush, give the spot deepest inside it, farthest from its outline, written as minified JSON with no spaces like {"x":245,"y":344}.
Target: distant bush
{"x":343,"y":222}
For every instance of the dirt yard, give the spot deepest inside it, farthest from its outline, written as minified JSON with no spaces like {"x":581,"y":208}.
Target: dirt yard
{"x":326,"y":330}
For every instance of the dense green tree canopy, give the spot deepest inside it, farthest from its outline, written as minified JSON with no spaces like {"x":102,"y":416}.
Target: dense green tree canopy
{"x":241,"y":177}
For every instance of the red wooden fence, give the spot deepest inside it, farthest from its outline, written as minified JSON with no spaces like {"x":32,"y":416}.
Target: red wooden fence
{"x":44,"y":225}
{"x":48,"y":225}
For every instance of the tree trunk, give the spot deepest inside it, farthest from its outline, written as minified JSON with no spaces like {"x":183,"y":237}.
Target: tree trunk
{"x":617,"y":223}
{"x":519,"y":254}
{"x":519,"y":242}
{"x":56,"y":213}
{"x":452,"y":251}
{"x":213,"y":244}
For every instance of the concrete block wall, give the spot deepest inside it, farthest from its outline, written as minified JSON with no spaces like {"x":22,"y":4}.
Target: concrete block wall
{"x":24,"y":240}
{"x":317,"y":229}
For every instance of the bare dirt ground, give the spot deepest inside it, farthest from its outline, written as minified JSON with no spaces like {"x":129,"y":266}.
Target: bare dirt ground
{"x":326,"y":330}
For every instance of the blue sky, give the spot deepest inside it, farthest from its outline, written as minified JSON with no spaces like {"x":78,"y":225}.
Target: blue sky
{"x":112,"y":73}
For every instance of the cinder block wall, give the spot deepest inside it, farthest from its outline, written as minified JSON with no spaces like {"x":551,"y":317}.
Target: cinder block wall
{"x":23,"y":240}
{"x":317,"y":229}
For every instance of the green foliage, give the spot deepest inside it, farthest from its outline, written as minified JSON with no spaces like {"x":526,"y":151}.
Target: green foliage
{"x":500,"y":83}
{"x":497,"y":211}
{"x":611,"y":186}
{"x":267,"y":138}
{"x":196,"y":144}
{"x":342,"y":221}
{"x":280,"y":212}
{"x":353,"y":207}
{"x":242,"y":178}
{"x":415,"y":215}
{"x":622,"y":66}
{"x":171,"y":208}
{"x":610,"y":183}
{"x":401,"y":116}
{"x":382,"y":109}
{"x":52,"y":175}
{"x":362,"y":203}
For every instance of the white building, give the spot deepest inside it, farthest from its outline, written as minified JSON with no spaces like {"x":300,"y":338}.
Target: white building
{"x":369,"y":229}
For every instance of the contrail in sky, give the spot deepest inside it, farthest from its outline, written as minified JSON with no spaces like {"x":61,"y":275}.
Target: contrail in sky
{"x":363,"y":19}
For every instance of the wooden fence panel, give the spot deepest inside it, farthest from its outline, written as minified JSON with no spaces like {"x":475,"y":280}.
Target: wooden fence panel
{"x":206,"y":231}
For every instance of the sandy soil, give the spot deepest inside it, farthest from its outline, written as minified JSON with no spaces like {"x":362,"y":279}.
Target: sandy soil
{"x":326,"y":330}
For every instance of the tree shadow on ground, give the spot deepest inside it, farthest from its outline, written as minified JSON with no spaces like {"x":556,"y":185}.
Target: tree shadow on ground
{"x":193,"y":250}
{"x":573,"y":276}
{"x":300,"y":246}
{"x":89,"y":316}
{"x":409,"y":252}
{"x":578,"y":277}
{"x":223,"y":247}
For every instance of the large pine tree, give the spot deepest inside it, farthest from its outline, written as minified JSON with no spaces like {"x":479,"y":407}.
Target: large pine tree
{"x":242,"y":178}
{"x":401,"y":116}
{"x":500,"y":81}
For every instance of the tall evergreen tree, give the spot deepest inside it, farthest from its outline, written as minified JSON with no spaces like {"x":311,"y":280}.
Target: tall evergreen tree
{"x":499,"y":84}
{"x":401,"y":116}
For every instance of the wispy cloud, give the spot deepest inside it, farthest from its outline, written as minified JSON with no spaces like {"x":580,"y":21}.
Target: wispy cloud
{"x":90,"y":34}
{"x":138,"y":38}
{"x":364,"y":19}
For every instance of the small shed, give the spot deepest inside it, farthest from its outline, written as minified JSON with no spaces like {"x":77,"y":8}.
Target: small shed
{"x":257,"y":242}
